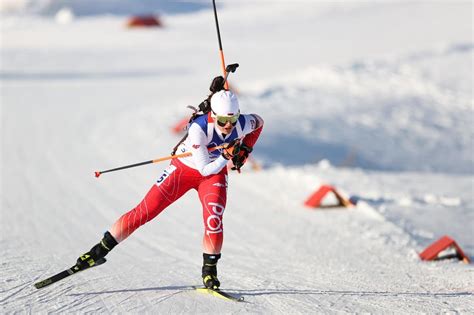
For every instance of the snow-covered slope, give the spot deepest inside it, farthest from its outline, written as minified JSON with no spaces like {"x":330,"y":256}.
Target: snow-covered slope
{"x":348,"y":85}
{"x":391,"y":115}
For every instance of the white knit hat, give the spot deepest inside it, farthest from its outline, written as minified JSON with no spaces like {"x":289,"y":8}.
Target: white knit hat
{"x":225,"y":103}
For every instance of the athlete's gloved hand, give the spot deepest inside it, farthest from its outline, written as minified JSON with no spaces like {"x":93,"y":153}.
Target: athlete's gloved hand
{"x":231,"y":149}
{"x":217,"y":84}
{"x":240,"y":158}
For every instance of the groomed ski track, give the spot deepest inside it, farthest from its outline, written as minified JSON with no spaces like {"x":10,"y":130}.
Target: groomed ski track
{"x":281,"y":256}
{"x":80,"y":98}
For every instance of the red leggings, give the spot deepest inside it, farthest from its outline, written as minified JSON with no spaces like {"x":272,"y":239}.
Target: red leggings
{"x":176,"y":180}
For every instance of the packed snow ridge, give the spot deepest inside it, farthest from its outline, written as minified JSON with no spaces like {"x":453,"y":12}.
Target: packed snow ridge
{"x":386,"y":115}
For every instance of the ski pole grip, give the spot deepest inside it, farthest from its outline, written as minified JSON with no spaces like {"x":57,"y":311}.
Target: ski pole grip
{"x":232,"y":67}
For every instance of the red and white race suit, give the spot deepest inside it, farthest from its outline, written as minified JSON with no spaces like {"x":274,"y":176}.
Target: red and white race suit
{"x":204,"y":171}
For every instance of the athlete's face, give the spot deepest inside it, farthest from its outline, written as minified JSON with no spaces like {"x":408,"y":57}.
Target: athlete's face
{"x":226,"y":129}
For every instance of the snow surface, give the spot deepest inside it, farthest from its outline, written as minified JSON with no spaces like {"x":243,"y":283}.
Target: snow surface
{"x":374,"y":97}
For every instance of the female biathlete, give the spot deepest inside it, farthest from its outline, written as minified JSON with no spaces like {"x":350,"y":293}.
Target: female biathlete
{"x":204,"y":171}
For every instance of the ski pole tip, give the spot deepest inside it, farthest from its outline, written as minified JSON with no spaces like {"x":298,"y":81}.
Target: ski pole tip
{"x":97,"y":174}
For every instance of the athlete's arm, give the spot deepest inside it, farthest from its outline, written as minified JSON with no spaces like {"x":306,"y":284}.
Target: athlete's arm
{"x":252,"y":130}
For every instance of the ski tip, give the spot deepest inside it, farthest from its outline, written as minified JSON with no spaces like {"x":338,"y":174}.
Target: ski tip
{"x":43,"y":283}
{"x":97,"y":174}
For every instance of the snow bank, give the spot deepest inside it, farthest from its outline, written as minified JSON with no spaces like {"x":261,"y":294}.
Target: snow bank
{"x":395,"y":114}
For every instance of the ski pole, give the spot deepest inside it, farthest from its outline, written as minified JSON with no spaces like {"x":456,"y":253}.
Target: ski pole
{"x":221,"y":51}
{"x":170,"y":157}
{"x":228,"y":70}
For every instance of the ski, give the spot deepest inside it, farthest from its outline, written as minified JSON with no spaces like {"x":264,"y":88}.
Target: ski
{"x":66,"y":273}
{"x":220,"y":294}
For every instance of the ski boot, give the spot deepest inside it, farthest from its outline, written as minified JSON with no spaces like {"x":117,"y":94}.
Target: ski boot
{"x":209,"y":271}
{"x":97,"y":253}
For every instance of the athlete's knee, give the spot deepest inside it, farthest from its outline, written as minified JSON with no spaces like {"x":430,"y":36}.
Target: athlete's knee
{"x":213,"y":216}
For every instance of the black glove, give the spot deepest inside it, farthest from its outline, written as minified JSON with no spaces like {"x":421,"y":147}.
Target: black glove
{"x":231,"y":149}
{"x":240,"y":158}
{"x":217,"y":84}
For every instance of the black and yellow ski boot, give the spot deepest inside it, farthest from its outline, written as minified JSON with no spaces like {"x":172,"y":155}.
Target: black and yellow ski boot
{"x":97,"y":253}
{"x":209,"y":271}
